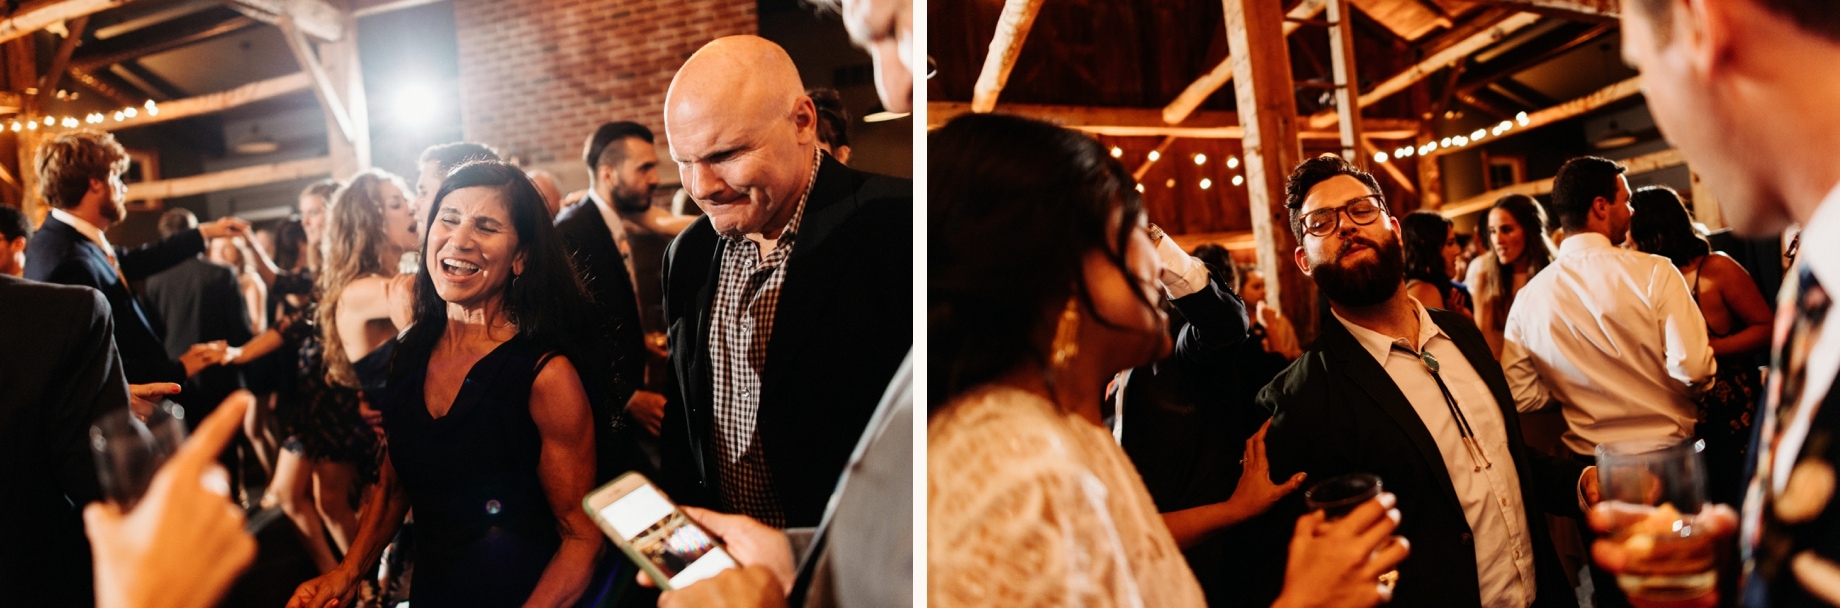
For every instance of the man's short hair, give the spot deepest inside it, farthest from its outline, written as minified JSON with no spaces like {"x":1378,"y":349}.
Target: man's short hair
{"x":67,"y":161}
{"x":1816,"y":17}
{"x":1579,"y":182}
{"x":1314,"y":171}
{"x":833,"y":118}
{"x":177,"y":220}
{"x":599,"y":150}
{"x":450,"y":155}
{"x":13,"y":224}
{"x":325,"y":187}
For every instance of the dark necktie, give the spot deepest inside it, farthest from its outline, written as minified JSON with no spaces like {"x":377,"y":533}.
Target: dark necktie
{"x":1769,"y":516}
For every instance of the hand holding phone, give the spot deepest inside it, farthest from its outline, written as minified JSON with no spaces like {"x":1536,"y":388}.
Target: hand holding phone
{"x":670,"y":547}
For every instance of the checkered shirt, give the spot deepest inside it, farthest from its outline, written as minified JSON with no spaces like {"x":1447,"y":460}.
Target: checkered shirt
{"x":740,"y":329}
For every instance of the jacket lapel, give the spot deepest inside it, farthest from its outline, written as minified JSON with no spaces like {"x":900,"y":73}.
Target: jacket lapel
{"x":1365,"y":372}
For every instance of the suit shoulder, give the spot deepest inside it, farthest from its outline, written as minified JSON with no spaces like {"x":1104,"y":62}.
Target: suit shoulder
{"x":37,"y":298}
{"x":700,"y":235}
{"x":1299,"y":385}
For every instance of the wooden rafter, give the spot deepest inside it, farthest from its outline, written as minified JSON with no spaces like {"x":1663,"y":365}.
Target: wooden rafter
{"x":1347,"y":80}
{"x":366,"y":8}
{"x":220,"y":101}
{"x":1012,"y":31}
{"x":329,"y":97}
{"x":128,"y":48}
{"x":1638,"y":165}
{"x":230,"y":179}
{"x":1580,"y":10}
{"x":1570,"y":109}
{"x":1437,"y":61}
{"x":312,"y":17}
{"x":1392,"y":170}
{"x":1161,"y":148}
{"x":103,"y":88}
{"x":37,"y":19}
{"x":1198,"y":91}
{"x":48,"y":82}
{"x":1148,"y":122}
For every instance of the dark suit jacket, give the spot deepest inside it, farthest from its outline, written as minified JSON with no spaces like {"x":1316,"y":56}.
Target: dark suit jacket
{"x":1336,"y":411}
{"x":58,"y":374}
{"x":60,"y":254}
{"x":197,"y":301}
{"x":844,"y":322}
{"x":619,"y":368}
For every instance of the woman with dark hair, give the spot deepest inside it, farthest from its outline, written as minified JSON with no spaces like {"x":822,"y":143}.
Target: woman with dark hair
{"x":833,"y":123}
{"x":488,"y":428}
{"x":1518,"y":249}
{"x":1042,"y":284}
{"x":1737,"y":319}
{"x":1431,"y":260}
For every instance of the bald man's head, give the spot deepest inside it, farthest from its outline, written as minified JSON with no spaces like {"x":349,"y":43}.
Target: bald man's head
{"x":743,"y":134}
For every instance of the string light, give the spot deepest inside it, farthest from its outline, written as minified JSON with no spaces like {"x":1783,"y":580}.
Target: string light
{"x":1116,"y":151}
{"x":1155,"y":156}
{"x":1232,"y":162}
{"x":1206,"y":183}
{"x":1200,"y":159}
{"x":1239,"y":180}
{"x":1140,"y":188}
{"x":1171,"y":183}
{"x":1522,"y":119}
{"x":1477,"y":135}
{"x":1380,"y":157}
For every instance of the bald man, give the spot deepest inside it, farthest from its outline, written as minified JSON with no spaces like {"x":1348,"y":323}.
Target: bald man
{"x":789,"y":304}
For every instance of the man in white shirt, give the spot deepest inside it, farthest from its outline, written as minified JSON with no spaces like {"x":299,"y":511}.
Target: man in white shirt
{"x":1738,"y":86}
{"x":1413,"y":396}
{"x":1611,"y":334}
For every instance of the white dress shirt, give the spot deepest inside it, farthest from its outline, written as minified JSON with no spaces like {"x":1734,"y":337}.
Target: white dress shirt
{"x":1615,"y":336}
{"x":1822,"y":257}
{"x":1491,"y":497}
{"x":88,"y":230}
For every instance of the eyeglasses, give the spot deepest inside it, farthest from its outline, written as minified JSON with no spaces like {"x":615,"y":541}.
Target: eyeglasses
{"x":1362,"y":211}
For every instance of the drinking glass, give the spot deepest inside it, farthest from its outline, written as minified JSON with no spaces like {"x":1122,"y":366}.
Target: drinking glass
{"x":129,"y":451}
{"x":1338,"y":495}
{"x":1657,"y":487}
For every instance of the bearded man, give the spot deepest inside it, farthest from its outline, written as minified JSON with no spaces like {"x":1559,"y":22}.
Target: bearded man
{"x":1413,"y":396}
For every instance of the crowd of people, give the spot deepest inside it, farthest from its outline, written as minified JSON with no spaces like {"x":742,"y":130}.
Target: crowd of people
{"x":1104,"y":427}
{"x":426,"y":382}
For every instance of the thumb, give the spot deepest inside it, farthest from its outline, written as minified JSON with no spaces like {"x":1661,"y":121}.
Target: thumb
{"x":1294,"y":482}
{"x":99,"y":519}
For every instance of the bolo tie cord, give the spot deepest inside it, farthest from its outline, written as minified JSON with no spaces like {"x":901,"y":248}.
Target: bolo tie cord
{"x":1464,"y":430}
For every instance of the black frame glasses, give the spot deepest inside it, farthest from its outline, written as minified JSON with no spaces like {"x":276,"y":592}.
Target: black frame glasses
{"x":1362,"y":211}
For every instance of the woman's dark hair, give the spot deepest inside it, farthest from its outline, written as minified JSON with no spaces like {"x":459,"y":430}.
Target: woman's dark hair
{"x":1425,"y":233}
{"x":290,"y":238}
{"x":1659,"y":224}
{"x":1220,"y":265}
{"x":1014,"y":206}
{"x":547,"y":301}
{"x":1498,"y":281}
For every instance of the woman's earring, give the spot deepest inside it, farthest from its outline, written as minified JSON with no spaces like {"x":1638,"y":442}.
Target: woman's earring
{"x":1067,"y":335}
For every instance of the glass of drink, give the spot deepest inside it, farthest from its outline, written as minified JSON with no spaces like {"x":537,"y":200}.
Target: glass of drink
{"x":129,"y":451}
{"x":1336,"y":496}
{"x":1656,"y":488}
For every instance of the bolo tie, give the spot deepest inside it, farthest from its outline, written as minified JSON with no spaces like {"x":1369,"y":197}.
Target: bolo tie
{"x":1464,"y":430}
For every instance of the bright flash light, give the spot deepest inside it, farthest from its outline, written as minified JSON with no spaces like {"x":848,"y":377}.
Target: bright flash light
{"x":416,"y":105}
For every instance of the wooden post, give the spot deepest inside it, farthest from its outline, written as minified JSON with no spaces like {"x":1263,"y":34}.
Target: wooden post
{"x":1203,"y":87}
{"x":340,"y":87}
{"x":21,"y":73}
{"x":1347,"y":80}
{"x":1012,"y":30}
{"x":1706,"y":205}
{"x":1430,"y":180}
{"x":1464,"y":47}
{"x":1268,"y":111}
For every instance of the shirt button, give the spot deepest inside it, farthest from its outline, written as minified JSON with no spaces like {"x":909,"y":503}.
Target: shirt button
{"x":744,"y":392}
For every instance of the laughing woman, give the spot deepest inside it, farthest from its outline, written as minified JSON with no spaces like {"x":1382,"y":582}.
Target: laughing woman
{"x":487,"y":425}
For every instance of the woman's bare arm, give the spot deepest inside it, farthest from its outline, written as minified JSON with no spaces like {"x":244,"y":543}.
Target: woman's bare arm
{"x":560,"y":408}
{"x":385,"y":505}
{"x":1746,"y":304}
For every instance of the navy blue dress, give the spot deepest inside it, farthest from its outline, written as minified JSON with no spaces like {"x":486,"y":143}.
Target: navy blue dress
{"x":484,"y":529}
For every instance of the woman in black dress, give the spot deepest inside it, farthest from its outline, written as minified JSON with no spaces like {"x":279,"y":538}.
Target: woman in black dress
{"x":488,"y":431}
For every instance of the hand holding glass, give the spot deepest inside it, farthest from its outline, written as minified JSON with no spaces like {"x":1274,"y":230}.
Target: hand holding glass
{"x":1657,"y":489}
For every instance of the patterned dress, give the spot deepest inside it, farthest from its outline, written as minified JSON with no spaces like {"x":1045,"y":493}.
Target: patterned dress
{"x":321,"y":421}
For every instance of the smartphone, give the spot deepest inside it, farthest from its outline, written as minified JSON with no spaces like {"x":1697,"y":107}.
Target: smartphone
{"x":654,"y":533}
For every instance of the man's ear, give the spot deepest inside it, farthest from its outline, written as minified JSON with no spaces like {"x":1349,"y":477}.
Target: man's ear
{"x":805,"y":120}
{"x":1600,"y":207}
{"x":1709,"y":29}
{"x":604,"y":174}
{"x":1302,"y":258}
{"x":97,"y":186}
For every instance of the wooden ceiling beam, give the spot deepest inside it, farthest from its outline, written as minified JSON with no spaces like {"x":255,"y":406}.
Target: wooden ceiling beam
{"x":220,"y":101}
{"x":316,"y":18}
{"x":159,"y":39}
{"x":329,"y":97}
{"x":230,"y":179}
{"x":1636,"y":166}
{"x":1533,"y":56}
{"x":1437,"y":61}
{"x":38,"y":18}
{"x":1148,"y":122}
{"x":1570,"y":109}
{"x":1596,"y":11}
{"x":1005,"y":46}
{"x":1205,"y":86}
{"x":48,"y":82}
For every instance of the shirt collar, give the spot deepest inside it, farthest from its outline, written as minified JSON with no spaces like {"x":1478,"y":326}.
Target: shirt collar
{"x":1379,"y":344}
{"x":1821,"y":241}
{"x":1583,"y":241}
{"x":87,"y":229}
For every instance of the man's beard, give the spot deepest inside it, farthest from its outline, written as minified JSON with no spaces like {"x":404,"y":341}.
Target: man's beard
{"x":627,"y":201}
{"x":114,"y":209}
{"x":1367,"y":283}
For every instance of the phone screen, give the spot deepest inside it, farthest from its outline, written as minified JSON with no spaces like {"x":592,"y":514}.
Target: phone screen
{"x":665,"y":537}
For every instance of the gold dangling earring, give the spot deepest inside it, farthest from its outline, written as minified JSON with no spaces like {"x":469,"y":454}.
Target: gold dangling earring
{"x":1066,"y":344}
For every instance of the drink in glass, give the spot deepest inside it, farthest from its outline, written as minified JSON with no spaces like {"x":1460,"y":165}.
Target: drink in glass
{"x":1656,"y":488}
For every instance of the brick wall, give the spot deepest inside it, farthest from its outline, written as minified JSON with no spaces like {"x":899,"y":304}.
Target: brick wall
{"x":537,"y":76}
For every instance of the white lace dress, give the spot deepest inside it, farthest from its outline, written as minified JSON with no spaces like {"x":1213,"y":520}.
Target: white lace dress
{"x":1030,"y":506}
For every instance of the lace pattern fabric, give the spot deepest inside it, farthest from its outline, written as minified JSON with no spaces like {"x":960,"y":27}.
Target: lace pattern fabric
{"x":1029,"y":506}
